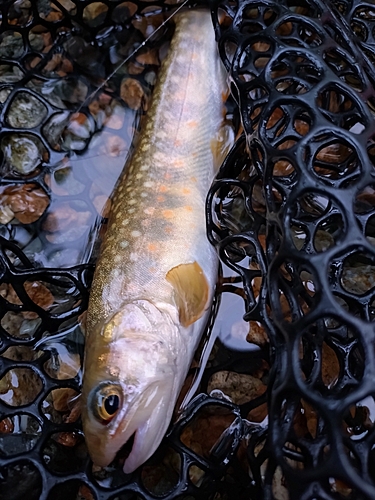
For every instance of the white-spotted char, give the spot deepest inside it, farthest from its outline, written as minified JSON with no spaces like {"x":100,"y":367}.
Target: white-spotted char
{"x":156,"y":273}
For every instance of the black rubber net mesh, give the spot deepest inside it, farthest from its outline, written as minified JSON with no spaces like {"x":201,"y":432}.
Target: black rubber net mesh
{"x":291,"y":214}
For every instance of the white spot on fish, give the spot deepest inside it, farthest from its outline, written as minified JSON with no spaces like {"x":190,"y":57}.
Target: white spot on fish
{"x":149,"y":184}
{"x":145,"y":167}
{"x":114,"y":371}
{"x":135,"y":234}
{"x":159,"y":157}
{"x":131,"y":210}
{"x":181,"y":60}
{"x":143,"y":195}
{"x":132,"y":201}
{"x":161,"y":134}
{"x":133,"y":257}
{"x":117,"y":259}
{"x":124,"y":244}
{"x":139,"y":176}
{"x":125,"y":222}
{"x":149,"y":210}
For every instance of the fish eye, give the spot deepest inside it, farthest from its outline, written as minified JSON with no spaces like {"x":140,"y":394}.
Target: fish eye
{"x":111,"y":404}
{"x":105,"y":402}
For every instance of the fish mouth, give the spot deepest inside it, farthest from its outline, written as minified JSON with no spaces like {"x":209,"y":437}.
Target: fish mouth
{"x":136,"y":432}
{"x":133,"y":450}
{"x":125,"y":450}
{"x":147,"y":430}
{"x":130,"y":455}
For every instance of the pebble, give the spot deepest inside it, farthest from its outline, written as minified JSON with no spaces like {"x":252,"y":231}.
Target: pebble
{"x":11,"y":44}
{"x":53,"y":129}
{"x":22,"y":153}
{"x":26,"y":111}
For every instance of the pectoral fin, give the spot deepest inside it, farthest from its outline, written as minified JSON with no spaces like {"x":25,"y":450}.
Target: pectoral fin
{"x":191,"y":291}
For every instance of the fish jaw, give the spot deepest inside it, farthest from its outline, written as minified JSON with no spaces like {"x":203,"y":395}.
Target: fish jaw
{"x":103,"y":445}
{"x":151,"y":427}
{"x":138,"y":356}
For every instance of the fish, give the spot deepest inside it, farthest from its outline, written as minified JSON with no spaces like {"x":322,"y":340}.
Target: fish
{"x":156,"y":272}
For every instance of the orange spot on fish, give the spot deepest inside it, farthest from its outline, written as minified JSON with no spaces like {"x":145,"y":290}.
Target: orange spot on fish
{"x":178,"y":163}
{"x":193,"y":179}
{"x":177,"y":143}
{"x":179,"y":96}
{"x":160,"y":199}
{"x":168,"y":214}
{"x":192,"y":124}
{"x":163,"y":189}
{"x":167,"y":176}
{"x":189,"y":208}
{"x":186,"y":191}
{"x":151,"y":247}
{"x":169,"y":230}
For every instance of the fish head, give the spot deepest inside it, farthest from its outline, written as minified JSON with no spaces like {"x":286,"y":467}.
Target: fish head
{"x":130,"y":385}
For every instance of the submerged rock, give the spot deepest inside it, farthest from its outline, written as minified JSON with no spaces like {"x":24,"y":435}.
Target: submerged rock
{"x":11,"y":44}
{"x":54,"y":128}
{"x":22,"y":153}
{"x":26,"y":111}
{"x":27,"y":201}
{"x":10,"y":73}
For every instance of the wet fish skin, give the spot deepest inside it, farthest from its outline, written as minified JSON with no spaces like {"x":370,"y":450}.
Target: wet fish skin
{"x":156,"y":272}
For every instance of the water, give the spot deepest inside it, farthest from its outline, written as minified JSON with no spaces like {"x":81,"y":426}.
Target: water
{"x":57,"y":176}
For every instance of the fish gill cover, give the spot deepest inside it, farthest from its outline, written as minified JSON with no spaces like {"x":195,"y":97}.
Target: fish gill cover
{"x":292,"y":212}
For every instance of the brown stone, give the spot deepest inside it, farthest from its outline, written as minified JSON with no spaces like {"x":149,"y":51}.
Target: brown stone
{"x":132,"y":93}
{"x":27,"y":201}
